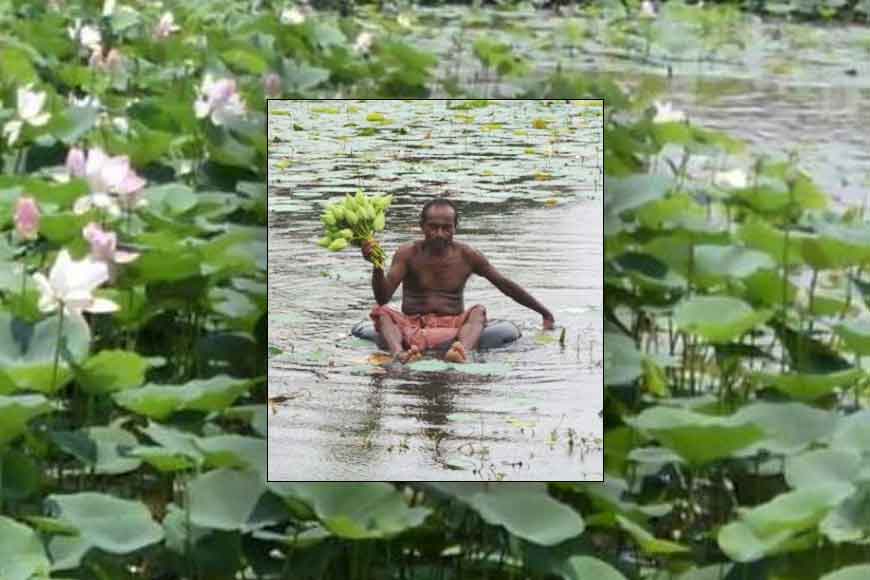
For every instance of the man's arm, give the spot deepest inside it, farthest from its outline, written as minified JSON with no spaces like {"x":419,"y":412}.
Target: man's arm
{"x":482,"y":267}
{"x":385,"y":286}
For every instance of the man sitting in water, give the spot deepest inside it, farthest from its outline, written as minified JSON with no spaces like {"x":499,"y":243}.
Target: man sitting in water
{"x":434,"y":272}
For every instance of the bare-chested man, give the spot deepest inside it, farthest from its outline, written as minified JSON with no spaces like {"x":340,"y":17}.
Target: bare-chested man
{"x":434,"y":272}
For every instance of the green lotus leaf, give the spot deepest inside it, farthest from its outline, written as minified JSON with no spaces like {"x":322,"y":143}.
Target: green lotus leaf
{"x":821,"y":253}
{"x":730,"y":261}
{"x":22,"y":556}
{"x":807,"y":386}
{"x":849,"y":521}
{"x":695,"y":437}
{"x":172,"y":199}
{"x":758,"y":234}
{"x":111,"y":524}
{"x":764,"y":288}
{"x":162,"y":459}
{"x":112,"y":370}
{"x":821,"y":466}
{"x":771,"y":527}
{"x":583,"y":567}
{"x":718,"y":319}
{"x":789,"y":427}
{"x":27,"y":352}
{"x":357,"y":511}
{"x":112,"y":444}
{"x":622,"y":360}
{"x":858,"y":572}
{"x":662,"y":213}
{"x":525,"y":510}
{"x":625,"y":193}
{"x":234,"y":451}
{"x":855,"y":335}
{"x":225,"y":499}
{"x":648,"y":543}
{"x":16,"y":411}
{"x":853,"y":432}
{"x":160,"y":401}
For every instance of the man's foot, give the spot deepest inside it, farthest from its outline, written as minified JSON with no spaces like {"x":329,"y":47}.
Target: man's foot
{"x":410,"y":355}
{"x":456,"y":354}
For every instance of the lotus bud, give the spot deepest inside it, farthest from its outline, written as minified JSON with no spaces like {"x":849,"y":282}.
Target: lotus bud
{"x":338,"y":245}
{"x":27,"y":218}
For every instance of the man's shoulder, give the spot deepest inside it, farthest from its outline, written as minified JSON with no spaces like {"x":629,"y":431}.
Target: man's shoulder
{"x":467,"y":252}
{"x":407,"y":250}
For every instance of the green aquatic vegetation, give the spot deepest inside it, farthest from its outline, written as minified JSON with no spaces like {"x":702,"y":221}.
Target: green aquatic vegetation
{"x":355,"y":220}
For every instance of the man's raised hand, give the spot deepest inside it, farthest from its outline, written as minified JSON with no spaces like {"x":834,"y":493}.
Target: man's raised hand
{"x":367,"y":250}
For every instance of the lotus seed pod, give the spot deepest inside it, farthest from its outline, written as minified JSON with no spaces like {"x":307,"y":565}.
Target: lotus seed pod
{"x":338,"y":245}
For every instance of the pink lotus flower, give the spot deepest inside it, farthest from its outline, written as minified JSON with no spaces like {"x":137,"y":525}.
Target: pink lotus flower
{"x":219,"y":99}
{"x":75,"y":162}
{"x":272,"y":85}
{"x":104,"y":246}
{"x":110,"y":177}
{"x":27,"y":218}
{"x":112,"y":62}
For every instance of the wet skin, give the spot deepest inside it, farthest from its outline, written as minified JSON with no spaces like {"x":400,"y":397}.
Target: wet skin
{"x":434,"y":272}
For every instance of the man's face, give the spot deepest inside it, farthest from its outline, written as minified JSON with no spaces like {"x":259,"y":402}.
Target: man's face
{"x":438,"y":227}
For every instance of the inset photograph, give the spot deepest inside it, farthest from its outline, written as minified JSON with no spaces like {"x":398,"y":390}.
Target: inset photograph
{"x":435,"y":290}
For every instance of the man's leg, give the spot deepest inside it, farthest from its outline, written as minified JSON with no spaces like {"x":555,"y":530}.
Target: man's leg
{"x":469,"y":335}
{"x":392,"y":335}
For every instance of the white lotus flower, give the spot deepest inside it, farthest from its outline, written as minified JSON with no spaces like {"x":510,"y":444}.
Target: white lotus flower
{"x":736,"y":178}
{"x":363,"y":42}
{"x":219,"y":99}
{"x":647,"y":9}
{"x":104,"y":246}
{"x":165,"y":26}
{"x":70,"y":285}
{"x":665,"y":113}
{"x":292,"y":16}
{"x":101,"y":201}
{"x":88,"y":36}
{"x":30,"y":104}
{"x":109,"y":7}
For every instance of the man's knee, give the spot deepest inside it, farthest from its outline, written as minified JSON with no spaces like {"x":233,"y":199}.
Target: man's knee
{"x":477,"y":312}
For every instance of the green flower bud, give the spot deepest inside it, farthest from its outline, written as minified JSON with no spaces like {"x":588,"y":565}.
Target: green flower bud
{"x":338,"y":245}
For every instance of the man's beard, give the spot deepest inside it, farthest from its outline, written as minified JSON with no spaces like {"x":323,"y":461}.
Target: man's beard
{"x":438,"y":244}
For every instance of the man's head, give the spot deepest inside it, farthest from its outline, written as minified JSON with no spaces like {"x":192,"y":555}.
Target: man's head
{"x":438,"y":220}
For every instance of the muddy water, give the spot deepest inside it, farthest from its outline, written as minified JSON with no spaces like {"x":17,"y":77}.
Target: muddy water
{"x":530,"y":200}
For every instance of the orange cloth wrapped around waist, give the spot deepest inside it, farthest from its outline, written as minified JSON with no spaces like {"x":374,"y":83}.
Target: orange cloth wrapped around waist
{"x":425,"y":331}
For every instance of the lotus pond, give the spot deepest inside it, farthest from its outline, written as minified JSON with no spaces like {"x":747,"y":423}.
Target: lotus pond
{"x":524,"y":173}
